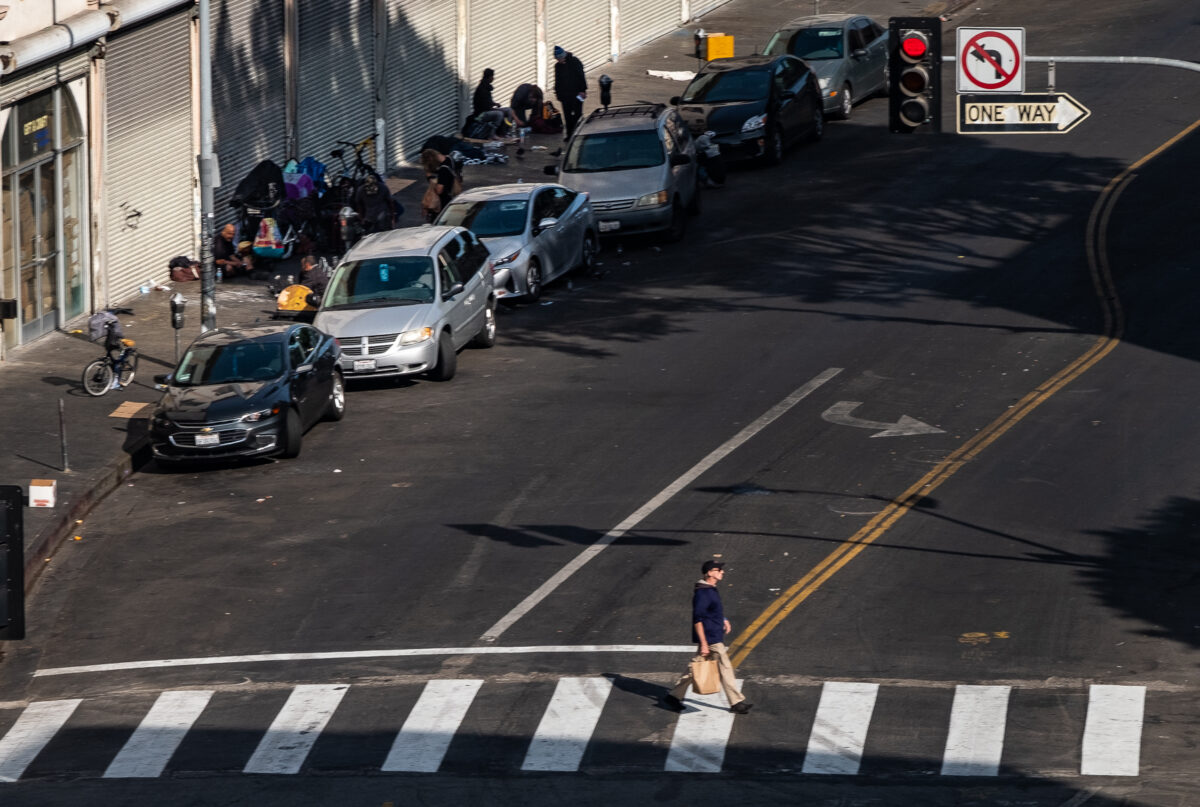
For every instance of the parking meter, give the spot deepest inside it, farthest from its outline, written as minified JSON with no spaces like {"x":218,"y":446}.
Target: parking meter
{"x":178,"y":303}
{"x":606,"y":83}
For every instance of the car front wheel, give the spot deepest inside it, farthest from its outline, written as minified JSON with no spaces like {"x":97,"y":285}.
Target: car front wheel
{"x":293,"y":434}
{"x":818,"y":124}
{"x":587,"y":253}
{"x":847,"y":105}
{"x":679,"y":222}
{"x":533,"y":281}
{"x":773,"y":150}
{"x":337,"y":398}
{"x":487,"y":334}
{"x":447,"y":360}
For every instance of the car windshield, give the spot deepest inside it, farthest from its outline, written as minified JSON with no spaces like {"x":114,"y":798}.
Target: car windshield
{"x":614,"y":151}
{"x":381,"y":281}
{"x":229,"y":363}
{"x":721,"y":86}
{"x":488,"y":219}
{"x":813,"y":44}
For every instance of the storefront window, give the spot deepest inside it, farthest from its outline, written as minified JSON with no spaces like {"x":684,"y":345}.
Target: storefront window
{"x":72,"y":205}
{"x":35,"y":127}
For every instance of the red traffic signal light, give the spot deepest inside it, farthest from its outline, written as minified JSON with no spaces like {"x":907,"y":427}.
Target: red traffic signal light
{"x":914,"y":71}
{"x":914,"y":45}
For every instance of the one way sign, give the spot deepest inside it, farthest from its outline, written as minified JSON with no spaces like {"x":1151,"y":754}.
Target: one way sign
{"x":1028,"y":113}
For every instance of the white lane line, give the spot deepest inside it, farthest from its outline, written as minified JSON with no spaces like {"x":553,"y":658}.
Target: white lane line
{"x":567,"y":725}
{"x":976,"y":737}
{"x":1112,"y":734}
{"x":701,"y":735}
{"x":840,"y":729}
{"x":203,"y":661}
{"x":161,"y":731}
{"x":29,"y":735}
{"x":718,"y":454}
{"x":425,"y":736}
{"x":287,"y":742}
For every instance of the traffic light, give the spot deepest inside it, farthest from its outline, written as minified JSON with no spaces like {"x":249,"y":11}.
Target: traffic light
{"x":914,"y":73}
{"x":12,"y":562}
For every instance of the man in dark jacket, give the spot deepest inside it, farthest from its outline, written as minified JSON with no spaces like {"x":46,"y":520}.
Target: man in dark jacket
{"x":570,"y":87}
{"x":709,"y":627}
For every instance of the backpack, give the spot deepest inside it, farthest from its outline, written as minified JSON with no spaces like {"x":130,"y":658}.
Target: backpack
{"x":269,"y":241}
{"x":98,"y":326}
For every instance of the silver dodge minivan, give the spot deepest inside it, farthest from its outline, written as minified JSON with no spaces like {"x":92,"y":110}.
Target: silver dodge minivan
{"x":638,"y":165}
{"x":406,"y":301}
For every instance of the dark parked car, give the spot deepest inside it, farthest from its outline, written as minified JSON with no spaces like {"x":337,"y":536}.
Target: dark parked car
{"x":848,"y":52}
{"x":756,"y":105}
{"x":247,"y":392}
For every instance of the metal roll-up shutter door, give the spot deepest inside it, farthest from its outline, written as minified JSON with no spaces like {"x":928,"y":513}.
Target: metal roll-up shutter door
{"x":699,"y":7}
{"x":337,"y":67}
{"x":643,"y":20}
{"x":148,"y":154}
{"x":421,"y":72}
{"x":249,"y":103}
{"x":502,"y":36}
{"x":583,"y":27}
{"x":43,"y":78}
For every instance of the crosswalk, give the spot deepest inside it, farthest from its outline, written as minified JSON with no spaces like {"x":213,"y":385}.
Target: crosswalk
{"x":566,"y":725}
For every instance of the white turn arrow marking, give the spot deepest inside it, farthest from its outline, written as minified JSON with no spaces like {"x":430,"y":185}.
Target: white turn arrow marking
{"x":839,"y":413}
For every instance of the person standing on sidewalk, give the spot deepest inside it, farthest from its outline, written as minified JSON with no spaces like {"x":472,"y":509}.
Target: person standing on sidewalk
{"x":570,"y":88}
{"x":709,"y":627}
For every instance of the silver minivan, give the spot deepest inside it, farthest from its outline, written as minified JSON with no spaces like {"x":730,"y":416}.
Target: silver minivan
{"x":638,"y":165}
{"x":403,"y":302}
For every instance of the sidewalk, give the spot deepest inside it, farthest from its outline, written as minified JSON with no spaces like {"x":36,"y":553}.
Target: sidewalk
{"x":104,"y":446}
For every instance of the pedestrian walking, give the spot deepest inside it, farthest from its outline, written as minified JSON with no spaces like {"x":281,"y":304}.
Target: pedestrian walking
{"x":570,"y":87}
{"x":709,"y":627}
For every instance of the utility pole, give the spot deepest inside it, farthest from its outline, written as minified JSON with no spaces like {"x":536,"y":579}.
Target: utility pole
{"x":208,"y":274}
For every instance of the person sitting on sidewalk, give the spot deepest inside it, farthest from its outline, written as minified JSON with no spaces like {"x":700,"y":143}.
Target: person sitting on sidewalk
{"x":485,"y":112}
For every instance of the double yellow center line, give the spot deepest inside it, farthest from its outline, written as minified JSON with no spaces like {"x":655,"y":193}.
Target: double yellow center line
{"x":1096,"y":244}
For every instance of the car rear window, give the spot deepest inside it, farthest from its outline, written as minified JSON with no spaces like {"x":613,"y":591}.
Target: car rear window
{"x":808,"y":43}
{"x":724,"y":86}
{"x":488,"y":219}
{"x":381,"y":281}
{"x":614,"y":151}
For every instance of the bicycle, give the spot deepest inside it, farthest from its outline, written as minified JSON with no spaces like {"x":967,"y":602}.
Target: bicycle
{"x":116,"y":368}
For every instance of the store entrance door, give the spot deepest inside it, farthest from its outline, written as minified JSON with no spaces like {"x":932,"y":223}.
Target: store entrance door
{"x":37,"y":244}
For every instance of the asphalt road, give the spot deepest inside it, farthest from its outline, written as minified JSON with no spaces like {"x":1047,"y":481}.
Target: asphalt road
{"x":700,"y":401}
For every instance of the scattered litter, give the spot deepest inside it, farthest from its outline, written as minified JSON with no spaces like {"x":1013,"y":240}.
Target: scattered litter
{"x":78,"y":537}
{"x":537,"y":148}
{"x":546,"y":302}
{"x":337,"y":470}
{"x":625,"y":263}
{"x":673,"y":75}
{"x":772,"y":589}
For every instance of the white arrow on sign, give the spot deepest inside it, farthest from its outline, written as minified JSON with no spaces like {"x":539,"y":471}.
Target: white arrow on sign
{"x":839,"y":413}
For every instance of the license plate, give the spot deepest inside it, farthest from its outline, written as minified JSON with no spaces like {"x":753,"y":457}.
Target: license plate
{"x":609,"y":226}
{"x":364,"y":365}
{"x":208,"y":439}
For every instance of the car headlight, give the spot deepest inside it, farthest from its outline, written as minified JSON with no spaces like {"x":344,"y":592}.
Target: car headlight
{"x":824,"y":82}
{"x":653,"y":199}
{"x":755,"y":123}
{"x":254,"y":417}
{"x":507,"y":259}
{"x":416,"y":336}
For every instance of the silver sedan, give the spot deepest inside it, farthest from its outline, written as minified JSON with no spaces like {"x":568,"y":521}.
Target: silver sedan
{"x":848,"y":52}
{"x":535,"y":232}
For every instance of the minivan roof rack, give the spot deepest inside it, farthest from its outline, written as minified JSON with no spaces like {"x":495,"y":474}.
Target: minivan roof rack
{"x":627,"y":111}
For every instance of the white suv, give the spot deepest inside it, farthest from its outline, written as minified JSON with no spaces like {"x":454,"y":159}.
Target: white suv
{"x":403,"y":302}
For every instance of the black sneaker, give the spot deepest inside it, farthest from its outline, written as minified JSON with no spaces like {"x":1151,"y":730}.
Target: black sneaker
{"x":673,"y":703}
{"x":741,"y":708}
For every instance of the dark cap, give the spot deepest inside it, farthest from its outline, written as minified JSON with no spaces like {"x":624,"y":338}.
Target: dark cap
{"x":709,"y":565}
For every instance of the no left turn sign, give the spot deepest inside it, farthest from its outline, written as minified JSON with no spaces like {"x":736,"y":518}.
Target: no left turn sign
{"x":991,"y":60}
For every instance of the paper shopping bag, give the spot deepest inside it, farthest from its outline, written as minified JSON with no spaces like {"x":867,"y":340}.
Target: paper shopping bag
{"x":706,"y":678}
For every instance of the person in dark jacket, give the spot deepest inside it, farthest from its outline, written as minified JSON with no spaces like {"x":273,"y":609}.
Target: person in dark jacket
{"x":709,"y":627}
{"x":484,"y":108}
{"x":526,"y":103}
{"x":570,"y":87}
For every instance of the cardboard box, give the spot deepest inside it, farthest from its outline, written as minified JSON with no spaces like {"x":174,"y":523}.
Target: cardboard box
{"x":43,"y":492}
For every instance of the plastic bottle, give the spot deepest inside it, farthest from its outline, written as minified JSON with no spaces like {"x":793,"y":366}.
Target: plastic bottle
{"x":219,"y":274}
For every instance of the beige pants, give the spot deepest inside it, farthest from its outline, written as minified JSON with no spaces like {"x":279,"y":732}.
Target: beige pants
{"x":728,"y":679}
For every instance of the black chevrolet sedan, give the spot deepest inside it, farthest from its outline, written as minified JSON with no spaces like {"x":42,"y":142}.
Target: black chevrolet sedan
{"x":755,"y":105}
{"x":247,"y":392}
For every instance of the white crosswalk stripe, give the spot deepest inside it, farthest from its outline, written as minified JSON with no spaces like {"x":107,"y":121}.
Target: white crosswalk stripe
{"x":422,"y":742}
{"x":701,"y":734}
{"x":159,"y":734}
{"x":33,"y":729}
{"x":296,"y":728}
{"x":1112,"y":736}
{"x":567,"y":725}
{"x":840,"y":729}
{"x":845,"y":715}
{"x":976,"y":737}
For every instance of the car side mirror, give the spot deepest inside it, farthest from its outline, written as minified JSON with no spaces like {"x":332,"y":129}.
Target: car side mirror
{"x":674,"y":100}
{"x":859,"y":53}
{"x":680,"y":159}
{"x":162,"y":381}
{"x":545,"y":224}
{"x":304,"y":368}
{"x":550,"y":170}
{"x":786,"y":95}
{"x":454,"y":290}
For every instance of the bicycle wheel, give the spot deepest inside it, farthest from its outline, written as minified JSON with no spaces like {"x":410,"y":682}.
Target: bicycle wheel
{"x":97,"y":377}
{"x":128,"y":368}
